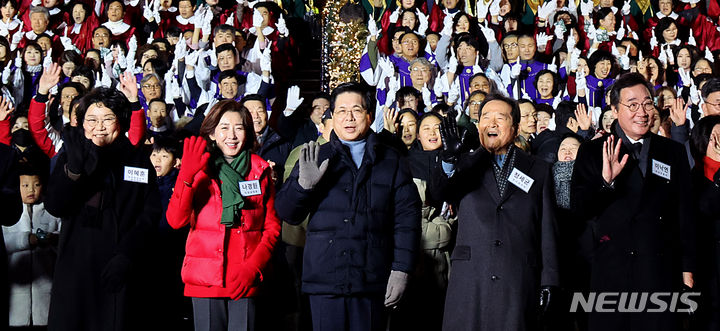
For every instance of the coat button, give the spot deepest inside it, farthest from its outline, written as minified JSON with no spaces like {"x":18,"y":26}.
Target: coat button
{"x":330,"y":241}
{"x":499,"y":208}
{"x":346,"y":220}
{"x":632,"y":252}
{"x":494,"y":278}
{"x":660,"y":218}
{"x":344,"y":253}
{"x":498,"y":243}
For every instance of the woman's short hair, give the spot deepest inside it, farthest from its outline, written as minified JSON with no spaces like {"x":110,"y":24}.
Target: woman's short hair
{"x":213,"y":117}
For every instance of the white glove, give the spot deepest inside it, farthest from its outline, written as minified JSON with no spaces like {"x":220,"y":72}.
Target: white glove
{"x":251,"y":4}
{"x":495,"y":8}
{"x":640,"y":56}
{"x":452,"y":64}
{"x":571,"y":41}
{"x":230,"y":20}
{"x":626,"y":8}
{"x":386,"y":67}
{"x":482,"y":9}
{"x":487,"y":32}
{"x":372,"y":29}
{"x":709,"y":55}
{"x":66,"y":41}
{"x":394,"y":16}
{"x":393,"y":87}
{"x":515,"y":70}
{"x":148,"y":11}
{"x":542,"y":39}
{"x":293,"y":99}
{"x":694,"y":95}
{"x":653,"y":40}
{"x":447,"y":26}
{"x":621,"y":31}
{"x":586,"y":7}
{"x":156,"y":10}
{"x":257,"y":20}
{"x":132,"y":45}
{"x":18,"y":36}
{"x":685,"y":77}
{"x":634,"y":35}
{"x":663,"y":56}
{"x":670,"y":55}
{"x":552,"y":66}
{"x":122,"y":60}
{"x":282,"y":27}
{"x":547,"y":9}
{"x":18,"y":61}
{"x":205,"y":27}
{"x":4,"y":32}
{"x":180,"y":49}
{"x":266,"y":60}
{"x":427,"y":100}
{"x":438,"y":88}
{"x":106,"y":81}
{"x":691,"y":39}
{"x":423,"y":26}
{"x":574,"y":59}
{"x":525,"y":95}
{"x":614,"y":50}
{"x":454,"y":92}
{"x":35,"y":3}
{"x":559,"y":30}
{"x":191,"y":59}
{"x":580,"y":81}
{"x":625,"y":61}
{"x":175,"y":91}
{"x":6,"y":74}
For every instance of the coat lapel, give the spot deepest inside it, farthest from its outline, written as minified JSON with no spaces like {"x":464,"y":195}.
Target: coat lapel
{"x":522,"y":163}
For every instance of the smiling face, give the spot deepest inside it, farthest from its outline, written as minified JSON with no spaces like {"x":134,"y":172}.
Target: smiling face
{"x":33,"y":56}
{"x":608,"y":22}
{"x":115,"y":11}
{"x":545,"y":85}
{"x":408,"y":123}
{"x":637,"y":124}
{"x":543,"y":120}
{"x":463,"y":25}
{"x":163,"y":162}
{"x":712,"y":104}
{"x":78,"y":13}
{"x":229,"y":87}
{"x":495,"y":127}
{"x":665,"y":6}
{"x":568,"y":149}
{"x":602,"y":69}
{"x":474,"y":106}
{"x":229,"y":134}
{"x":527,"y":48}
{"x":607,"y":120}
{"x":670,"y":34}
{"x":259,"y":115}
{"x":429,"y":133}
{"x":30,"y":189}
{"x":351,"y":121}
{"x":186,"y":9}
{"x":407,"y":4}
{"x":66,"y":96}
{"x":100,"y":125}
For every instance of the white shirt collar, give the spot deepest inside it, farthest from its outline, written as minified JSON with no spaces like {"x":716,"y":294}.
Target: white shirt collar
{"x":11,"y":25}
{"x":182,"y":20}
{"x":632,"y":141}
{"x":54,"y":11}
{"x":117,"y":28}
{"x":76,"y":28}
{"x":676,"y":42}
{"x":672,"y":15}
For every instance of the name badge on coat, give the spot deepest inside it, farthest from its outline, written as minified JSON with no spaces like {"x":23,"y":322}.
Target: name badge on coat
{"x":661,"y":169}
{"x":250,"y":188}
{"x":521,"y":180}
{"x":135,"y":175}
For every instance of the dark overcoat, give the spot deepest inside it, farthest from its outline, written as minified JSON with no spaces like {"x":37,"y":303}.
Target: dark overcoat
{"x":506,"y":245}
{"x":101,"y":278}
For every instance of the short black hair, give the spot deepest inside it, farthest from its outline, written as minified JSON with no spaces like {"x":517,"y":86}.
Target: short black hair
{"x":86,"y":72}
{"x":157,"y":100}
{"x":564,"y":111}
{"x":226,"y":47}
{"x":514,"y":107}
{"x":700,"y":137}
{"x":601,"y":55}
{"x":229,"y":74}
{"x":626,"y":81}
{"x":661,"y":26}
{"x":254,"y":97}
{"x":168,"y":144}
{"x":321,"y":95}
{"x":368,"y":99}
{"x":712,"y":86}
{"x":110,"y":98}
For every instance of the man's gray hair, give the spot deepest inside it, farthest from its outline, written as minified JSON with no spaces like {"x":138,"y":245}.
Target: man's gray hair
{"x":40,"y":9}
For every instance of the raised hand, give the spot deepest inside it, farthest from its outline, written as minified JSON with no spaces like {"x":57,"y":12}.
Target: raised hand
{"x":293,"y":98}
{"x":708,"y":55}
{"x":653,"y":40}
{"x":691,"y":39}
{"x":390,"y":116}
{"x":482,"y":8}
{"x":195,"y":158}
{"x":395,"y":15}
{"x":583,"y":117}
{"x":6,"y":108}
{"x":257,"y":20}
{"x":266,"y":60}
{"x":494,"y":8}
{"x":309,"y":173}
{"x":516,"y":68}
{"x":487,"y":32}
{"x":128,"y":86}
{"x":451,"y":140}
{"x":282,"y":27}
{"x":543,"y":39}
{"x":678,"y":111}
{"x":586,"y":7}
{"x":626,"y":8}
{"x":50,"y":77}
{"x":373,"y":30}
{"x":621,"y":31}
{"x":547,"y":9}
{"x":612,"y":163}
{"x":423,"y":26}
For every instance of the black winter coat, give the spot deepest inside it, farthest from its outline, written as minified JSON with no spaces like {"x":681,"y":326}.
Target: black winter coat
{"x":11,"y":207}
{"x":276,"y":149}
{"x":506,"y":245}
{"x":706,"y":196}
{"x":363,"y":222}
{"x":107,"y":222}
{"x":643,"y":231}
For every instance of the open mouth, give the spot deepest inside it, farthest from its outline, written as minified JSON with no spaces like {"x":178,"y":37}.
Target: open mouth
{"x":433,"y":140}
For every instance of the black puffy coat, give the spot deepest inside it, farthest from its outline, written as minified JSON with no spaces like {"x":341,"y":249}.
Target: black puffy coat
{"x":101,"y":278}
{"x":363,"y":222}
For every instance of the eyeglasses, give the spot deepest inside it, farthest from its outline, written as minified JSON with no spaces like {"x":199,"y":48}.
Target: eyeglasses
{"x":410,"y":42}
{"x":716,"y":105}
{"x":153,"y":86}
{"x":107,"y":121}
{"x":476,"y":103}
{"x":529,"y":115}
{"x":647,"y":106}
{"x":356,"y":112}
{"x":420,"y":69}
{"x":508,"y":46}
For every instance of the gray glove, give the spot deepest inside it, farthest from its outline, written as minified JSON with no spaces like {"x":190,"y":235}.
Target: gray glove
{"x":395,"y":287}
{"x":309,"y":172}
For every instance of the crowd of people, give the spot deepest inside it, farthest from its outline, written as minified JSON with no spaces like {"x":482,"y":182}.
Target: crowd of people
{"x":160,"y":170}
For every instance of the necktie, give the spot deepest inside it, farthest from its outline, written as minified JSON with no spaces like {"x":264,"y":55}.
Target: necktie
{"x":636,"y":149}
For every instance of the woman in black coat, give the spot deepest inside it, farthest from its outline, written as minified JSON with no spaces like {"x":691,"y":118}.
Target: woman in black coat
{"x":705,"y":147}
{"x":105,"y":191}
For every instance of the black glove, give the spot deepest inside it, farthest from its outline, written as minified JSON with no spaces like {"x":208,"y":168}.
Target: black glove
{"x":82,"y":156}
{"x":546,"y":294}
{"x":114,"y":275}
{"x":451,"y":139}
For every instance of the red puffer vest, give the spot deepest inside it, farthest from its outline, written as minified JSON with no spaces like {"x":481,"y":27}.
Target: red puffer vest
{"x":214,"y":253}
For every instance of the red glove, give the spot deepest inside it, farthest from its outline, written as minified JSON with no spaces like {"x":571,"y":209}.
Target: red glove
{"x":194,"y":158}
{"x":246,"y":277}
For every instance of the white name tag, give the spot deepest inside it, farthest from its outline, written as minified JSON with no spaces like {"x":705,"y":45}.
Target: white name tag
{"x":521,"y":180}
{"x":136,"y":175}
{"x":661,"y":169}
{"x":249,"y":188}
